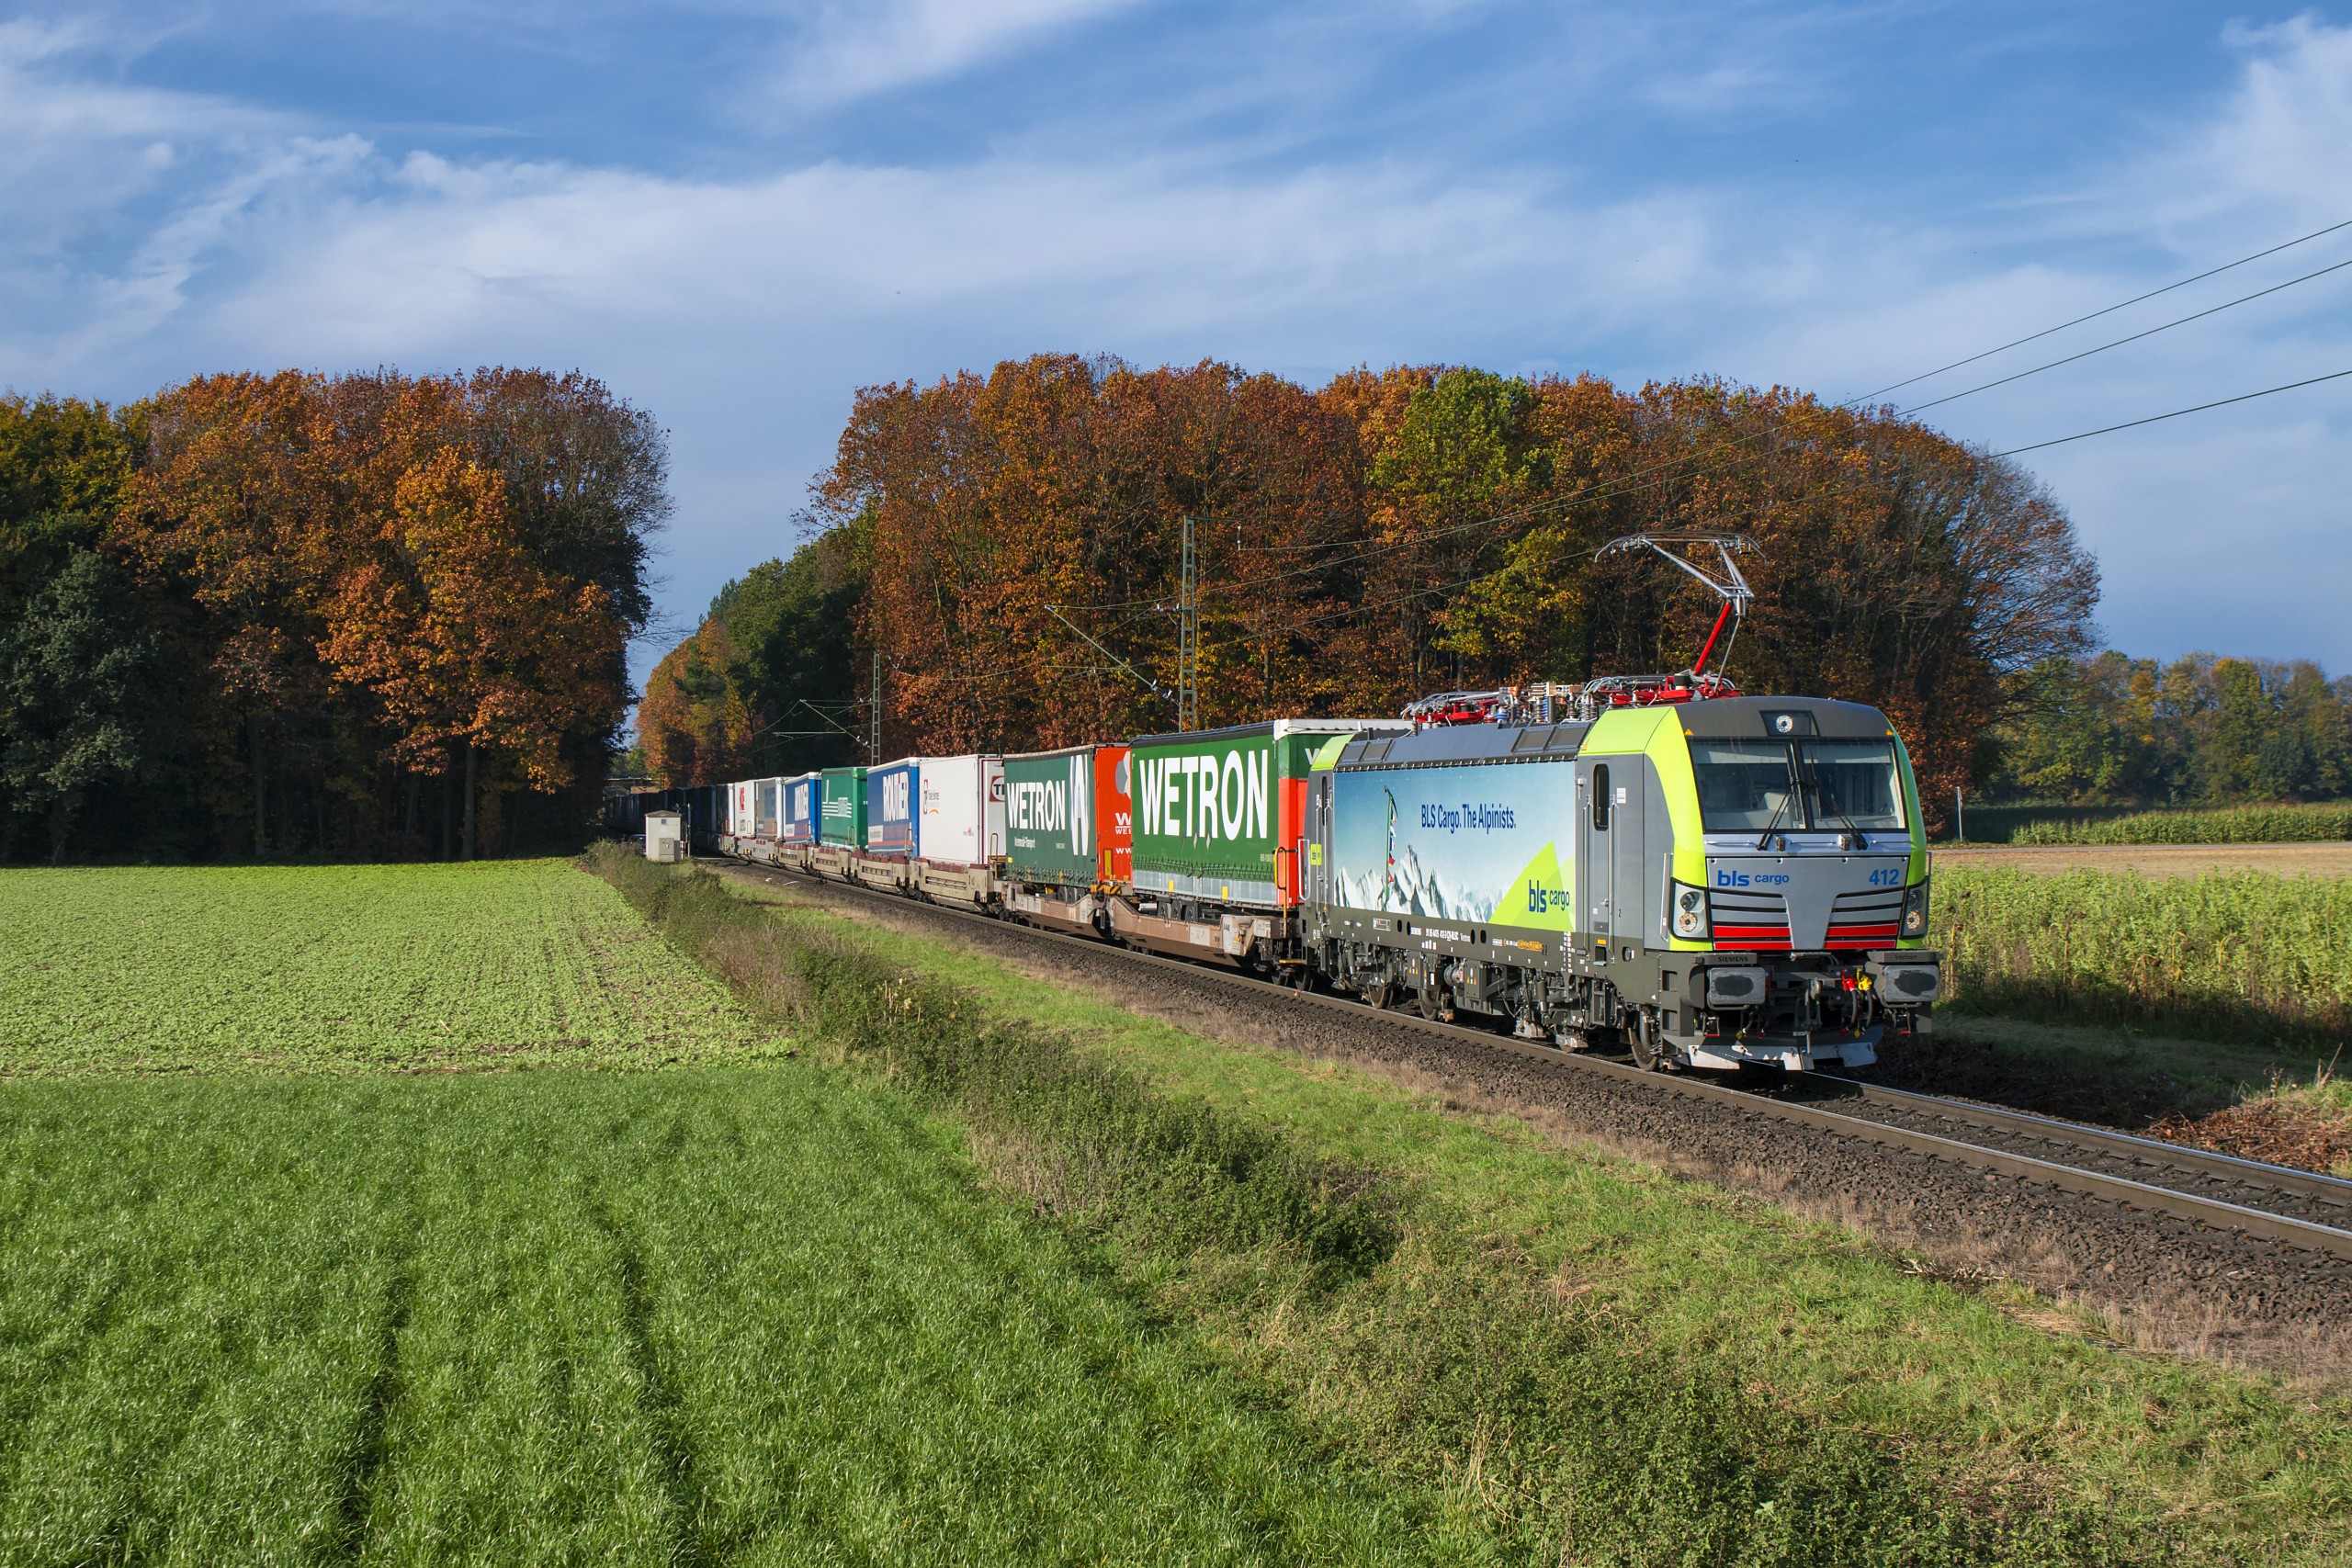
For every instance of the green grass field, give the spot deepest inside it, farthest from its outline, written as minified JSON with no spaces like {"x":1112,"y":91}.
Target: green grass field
{"x":716,"y":1315}
{"x":900,"y":1258}
{"x":258,"y":1306}
{"x":342,"y":968}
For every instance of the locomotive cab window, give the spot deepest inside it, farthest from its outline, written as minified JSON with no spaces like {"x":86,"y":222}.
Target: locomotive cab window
{"x":1853,"y":784}
{"x":1762,"y":785}
{"x":1745,"y":785}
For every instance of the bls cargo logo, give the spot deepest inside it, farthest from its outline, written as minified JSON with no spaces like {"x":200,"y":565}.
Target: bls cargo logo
{"x":1541,"y":899}
{"x":894,"y":798}
{"x":1727,"y":879}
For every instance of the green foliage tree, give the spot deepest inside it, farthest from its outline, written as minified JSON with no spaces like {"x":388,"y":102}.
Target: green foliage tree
{"x":2201,"y":730}
{"x":78,"y":688}
{"x":799,"y":662}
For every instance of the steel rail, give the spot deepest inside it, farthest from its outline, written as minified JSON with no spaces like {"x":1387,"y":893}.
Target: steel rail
{"x":2185,"y":1158}
{"x":2213,"y":1212}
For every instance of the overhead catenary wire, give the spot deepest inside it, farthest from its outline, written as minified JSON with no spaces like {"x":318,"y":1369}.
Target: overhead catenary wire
{"x":2176,"y":414}
{"x":2119,"y":343}
{"x":2095,"y":315}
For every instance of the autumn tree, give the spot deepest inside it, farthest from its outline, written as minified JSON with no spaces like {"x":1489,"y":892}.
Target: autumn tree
{"x":693,"y":723}
{"x":1420,"y":527}
{"x":380,"y":583}
{"x":467,"y":641}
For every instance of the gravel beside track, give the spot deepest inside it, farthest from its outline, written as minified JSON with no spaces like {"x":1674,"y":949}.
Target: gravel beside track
{"x":2297,"y":1194}
{"x":2157,"y":1281}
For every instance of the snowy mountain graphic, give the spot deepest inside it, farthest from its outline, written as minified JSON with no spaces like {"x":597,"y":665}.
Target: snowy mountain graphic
{"x":1416,"y":891}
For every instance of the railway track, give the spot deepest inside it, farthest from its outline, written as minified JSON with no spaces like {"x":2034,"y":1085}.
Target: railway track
{"x":2271,"y":1203}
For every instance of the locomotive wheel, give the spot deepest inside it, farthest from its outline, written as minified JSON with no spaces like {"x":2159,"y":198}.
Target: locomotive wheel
{"x":1434,"y":1005}
{"x":1644,"y":1048}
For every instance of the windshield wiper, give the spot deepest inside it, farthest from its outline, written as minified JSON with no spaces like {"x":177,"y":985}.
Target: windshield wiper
{"x":1828,"y":802}
{"x":1774,"y":821}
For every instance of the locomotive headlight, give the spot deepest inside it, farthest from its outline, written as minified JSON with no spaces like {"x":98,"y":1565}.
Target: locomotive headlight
{"x":1689,"y":912}
{"x":1914,"y":909}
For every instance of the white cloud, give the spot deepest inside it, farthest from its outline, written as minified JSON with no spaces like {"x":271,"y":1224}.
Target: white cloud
{"x":859,"y":49}
{"x":2280,"y":142}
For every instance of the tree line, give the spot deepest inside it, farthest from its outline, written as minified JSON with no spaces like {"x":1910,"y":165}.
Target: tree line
{"x":2202,"y":730}
{"x":372,"y":615}
{"x":1010,"y":546}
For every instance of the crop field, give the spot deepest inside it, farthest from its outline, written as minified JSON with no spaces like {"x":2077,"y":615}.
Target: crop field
{"x":2313,"y":823}
{"x":342,"y":968}
{"x":2329,"y":860}
{"x":2231,"y":953}
{"x":711,"y":1315}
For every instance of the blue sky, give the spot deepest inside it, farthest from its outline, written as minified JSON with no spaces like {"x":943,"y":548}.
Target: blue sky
{"x":737,"y":213}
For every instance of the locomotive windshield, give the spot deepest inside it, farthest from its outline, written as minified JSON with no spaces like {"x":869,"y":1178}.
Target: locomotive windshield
{"x":1758,"y":787}
{"x":1852,"y":784}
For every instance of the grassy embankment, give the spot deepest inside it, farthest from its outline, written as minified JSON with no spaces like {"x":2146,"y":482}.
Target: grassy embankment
{"x":2236,"y":988}
{"x":1572,"y":1347}
{"x":281,"y":1281}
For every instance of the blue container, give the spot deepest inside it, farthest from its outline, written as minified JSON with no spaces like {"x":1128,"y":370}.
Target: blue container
{"x":803,"y":797}
{"x":892,"y":795}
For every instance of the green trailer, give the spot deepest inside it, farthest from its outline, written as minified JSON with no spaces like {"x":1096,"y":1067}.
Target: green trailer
{"x":1049,"y":840}
{"x":1219,"y":814}
{"x":843,"y":819}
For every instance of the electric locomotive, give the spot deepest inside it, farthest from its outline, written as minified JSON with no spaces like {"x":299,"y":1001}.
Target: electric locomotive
{"x":1718,"y":882}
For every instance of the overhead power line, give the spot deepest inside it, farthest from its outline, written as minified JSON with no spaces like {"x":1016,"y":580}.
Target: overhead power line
{"x":2158,"y":418}
{"x":2136,"y":337}
{"x":2095,"y":315}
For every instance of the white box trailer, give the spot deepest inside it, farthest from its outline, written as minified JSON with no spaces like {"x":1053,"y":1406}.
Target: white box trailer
{"x":961,"y":819}
{"x":767,"y":807}
{"x":743,"y":808}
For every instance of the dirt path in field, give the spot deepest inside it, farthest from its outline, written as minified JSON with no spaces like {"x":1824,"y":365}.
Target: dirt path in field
{"x":2156,"y":860}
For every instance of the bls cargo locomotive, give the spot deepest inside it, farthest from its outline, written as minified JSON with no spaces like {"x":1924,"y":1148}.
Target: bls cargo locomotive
{"x":1698,"y":878}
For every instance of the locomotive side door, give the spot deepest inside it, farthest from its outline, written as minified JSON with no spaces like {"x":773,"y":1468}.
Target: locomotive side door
{"x":1629,"y":789}
{"x":1596,"y":852}
{"x":1316,"y":868}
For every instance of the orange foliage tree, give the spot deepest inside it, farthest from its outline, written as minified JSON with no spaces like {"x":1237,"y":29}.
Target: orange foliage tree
{"x":385,"y":581}
{"x":694,"y":722}
{"x":1418,"y":528}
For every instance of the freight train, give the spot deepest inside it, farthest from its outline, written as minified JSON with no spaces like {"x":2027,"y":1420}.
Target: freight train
{"x":1665,"y":869}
